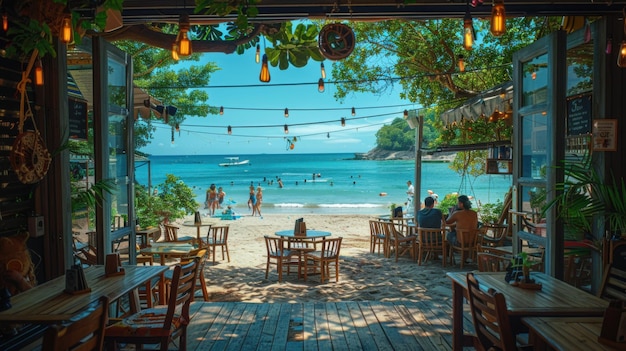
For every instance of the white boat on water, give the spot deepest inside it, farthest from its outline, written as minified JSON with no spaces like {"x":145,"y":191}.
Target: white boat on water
{"x":234,"y":161}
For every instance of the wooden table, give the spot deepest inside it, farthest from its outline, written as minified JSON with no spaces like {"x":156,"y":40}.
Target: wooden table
{"x":168,"y":249}
{"x":556,"y":298}
{"x":48,"y":303}
{"x":146,"y":234}
{"x":198,"y":231}
{"x":565,"y":333}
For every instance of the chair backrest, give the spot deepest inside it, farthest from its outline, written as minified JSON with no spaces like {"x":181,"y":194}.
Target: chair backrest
{"x":491,"y":319}
{"x":183,"y":285}
{"x":488,"y":262}
{"x":467,"y":238}
{"x":218,"y":234}
{"x":376,"y":227}
{"x":431,"y":237}
{"x":171,"y":232}
{"x":331,"y":247}
{"x":85,"y":331}
{"x":274,"y":245}
{"x":613,"y":284}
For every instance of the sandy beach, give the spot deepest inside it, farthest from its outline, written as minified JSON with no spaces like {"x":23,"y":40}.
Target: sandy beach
{"x":363,"y":276}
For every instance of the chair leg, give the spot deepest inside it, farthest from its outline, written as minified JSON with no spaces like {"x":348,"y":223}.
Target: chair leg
{"x":227,"y":253}
{"x":267,"y":267}
{"x":279,"y":269}
{"x":205,"y":291}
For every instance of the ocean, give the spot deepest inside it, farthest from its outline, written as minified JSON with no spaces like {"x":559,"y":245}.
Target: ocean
{"x":318,"y":183}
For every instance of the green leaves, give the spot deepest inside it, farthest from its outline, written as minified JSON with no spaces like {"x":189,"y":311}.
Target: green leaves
{"x":293,"y":47}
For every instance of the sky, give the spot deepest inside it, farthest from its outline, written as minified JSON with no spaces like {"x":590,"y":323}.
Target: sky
{"x":263,"y":106}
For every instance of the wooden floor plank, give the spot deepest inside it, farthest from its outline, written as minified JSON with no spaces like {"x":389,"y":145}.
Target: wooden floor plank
{"x":380,"y":338}
{"x":241,"y":328}
{"x":228,"y":325}
{"x":336,"y":328}
{"x":268,"y":334}
{"x":294,"y":335}
{"x":321,"y":327}
{"x":349,"y":329}
{"x":308,"y":324}
{"x":392,"y":326}
{"x":363,"y":331}
{"x":255,"y":331}
{"x":201,"y":321}
{"x":418,"y":326}
{"x":440,"y":320}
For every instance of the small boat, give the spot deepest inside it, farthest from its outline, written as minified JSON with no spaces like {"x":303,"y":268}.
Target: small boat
{"x":234,"y":161}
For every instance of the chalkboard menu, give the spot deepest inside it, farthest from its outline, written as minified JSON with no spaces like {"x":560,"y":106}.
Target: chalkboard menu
{"x":78,"y":119}
{"x":579,"y":115}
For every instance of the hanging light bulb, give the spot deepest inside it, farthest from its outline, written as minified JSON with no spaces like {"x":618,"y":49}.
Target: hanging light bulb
{"x":221,"y":110}
{"x":328,"y":135}
{"x":66,"y":29}
{"x":5,"y":22}
{"x":230,"y":130}
{"x":353,"y":112}
{"x":405,"y":114}
{"x":286,"y":129}
{"x":621,"y":56}
{"x":468,"y":31}
{"x":257,"y":55}
{"x":38,"y":73}
{"x":177,"y":127}
{"x":175,"y":51}
{"x":322,"y":70}
{"x":498,"y":18}
{"x":533,"y":75}
{"x":286,"y":112}
{"x":320,"y":85}
{"x":461,"y":63}
{"x":343,"y":121}
{"x":295,"y":139}
{"x":265,"y":71}
{"x":184,"y":44}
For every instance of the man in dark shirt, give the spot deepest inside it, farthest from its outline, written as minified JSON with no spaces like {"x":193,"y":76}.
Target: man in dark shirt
{"x":429,"y":217}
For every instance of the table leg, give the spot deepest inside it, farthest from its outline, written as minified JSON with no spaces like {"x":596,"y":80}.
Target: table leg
{"x":199,"y":238}
{"x":162,"y":289}
{"x":457,"y":317}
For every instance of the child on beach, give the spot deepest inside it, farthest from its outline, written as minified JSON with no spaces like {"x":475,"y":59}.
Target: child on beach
{"x":220,"y":197}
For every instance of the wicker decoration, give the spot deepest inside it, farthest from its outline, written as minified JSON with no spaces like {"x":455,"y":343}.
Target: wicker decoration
{"x":336,"y":41}
{"x":48,"y":12}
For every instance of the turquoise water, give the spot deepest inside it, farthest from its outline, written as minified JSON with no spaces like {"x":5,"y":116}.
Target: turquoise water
{"x":318,"y":183}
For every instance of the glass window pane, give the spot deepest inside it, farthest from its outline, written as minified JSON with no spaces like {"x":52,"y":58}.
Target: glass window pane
{"x":118,"y":165}
{"x":535,"y":81}
{"x":534,"y":148}
{"x":580,"y":69}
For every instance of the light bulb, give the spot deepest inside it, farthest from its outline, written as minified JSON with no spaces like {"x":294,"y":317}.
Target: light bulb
{"x":66,"y":29}
{"x":320,"y":85}
{"x":322,"y":70}
{"x":286,"y":112}
{"x":498,"y":19}
{"x":5,"y":22}
{"x":461,"y":63}
{"x":175,"y":52}
{"x":257,"y":55}
{"x":621,"y":56}
{"x":405,"y":114}
{"x":286,"y":129}
{"x":38,"y":73}
{"x":230,"y":130}
{"x":265,"y":71}
{"x":184,"y":45}
{"x":343,"y":121}
{"x":221,"y":110}
{"x":353,"y":112}
{"x":468,"y":32}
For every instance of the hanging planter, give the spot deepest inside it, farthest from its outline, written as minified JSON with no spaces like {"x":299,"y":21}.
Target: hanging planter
{"x":336,"y":41}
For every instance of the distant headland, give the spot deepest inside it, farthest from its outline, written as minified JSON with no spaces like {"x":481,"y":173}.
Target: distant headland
{"x":381,"y":155}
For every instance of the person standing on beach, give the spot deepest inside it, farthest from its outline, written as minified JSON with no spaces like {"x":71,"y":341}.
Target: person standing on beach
{"x":463,"y":217}
{"x":211,"y":196}
{"x":410,"y":192}
{"x":259,"y":200}
{"x":220,"y":197}
{"x":434,"y":196}
{"x":252,"y":200}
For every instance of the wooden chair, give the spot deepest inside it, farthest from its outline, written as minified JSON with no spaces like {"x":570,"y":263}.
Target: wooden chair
{"x":279,"y":254}
{"x":171,"y":235}
{"x":488,"y":262}
{"x":160,"y":324}
{"x":85,"y":331}
{"x":378,"y":236}
{"x":431,"y":241}
{"x":490,"y":317}
{"x":401,"y":244}
{"x":322,"y":259}
{"x":467,"y":239}
{"x":613,"y":284}
{"x":200,"y":254}
{"x":218,"y":237}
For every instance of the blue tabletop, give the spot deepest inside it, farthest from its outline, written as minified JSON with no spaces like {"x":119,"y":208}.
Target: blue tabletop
{"x":310,"y":233}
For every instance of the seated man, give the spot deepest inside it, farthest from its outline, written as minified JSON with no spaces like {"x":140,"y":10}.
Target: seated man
{"x":429,"y":217}
{"x":463,"y":217}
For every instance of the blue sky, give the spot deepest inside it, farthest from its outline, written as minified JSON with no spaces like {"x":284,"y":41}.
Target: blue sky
{"x":208,"y":135}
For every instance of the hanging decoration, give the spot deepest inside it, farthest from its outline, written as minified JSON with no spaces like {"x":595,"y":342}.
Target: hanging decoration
{"x":336,"y":41}
{"x":29,"y":156}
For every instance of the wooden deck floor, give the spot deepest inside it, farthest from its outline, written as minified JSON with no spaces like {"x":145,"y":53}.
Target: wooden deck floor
{"x":364,"y":325}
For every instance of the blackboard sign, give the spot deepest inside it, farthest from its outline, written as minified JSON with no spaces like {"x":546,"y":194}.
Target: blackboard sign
{"x":579,"y":115}
{"x":78,"y":118}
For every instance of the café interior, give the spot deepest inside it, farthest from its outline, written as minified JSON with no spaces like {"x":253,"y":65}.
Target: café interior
{"x":567,"y":104}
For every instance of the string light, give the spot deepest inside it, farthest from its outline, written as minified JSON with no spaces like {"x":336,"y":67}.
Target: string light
{"x":286,"y":129}
{"x":405,"y":114}
{"x":221,"y":110}
{"x":328,"y":135}
{"x":5,"y":22}
{"x":320,"y":85}
{"x":175,"y":51}
{"x":461,"y":63}
{"x":230,"y":130}
{"x":184,"y":44}
{"x":38,"y":73}
{"x":343,"y":121}
{"x":322,"y":70}
{"x":498,"y":18}
{"x":286,"y":112}
{"x":257,"y":55}
{"x":353,"y":111}
{"x":621,"y":54}
{"x":468,"y":30}
{"x":66,"y":29}
{"x":265,"y":71}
